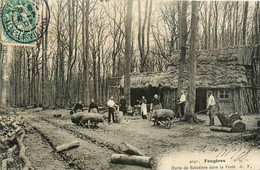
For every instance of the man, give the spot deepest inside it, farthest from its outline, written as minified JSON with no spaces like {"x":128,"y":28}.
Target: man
{"x":182,"y":103}
{"x":93,"y":107}
{"x":111,"y":106}
{"x":123,"y":105}
{"x":78,"y":106}
{"x":211,"y":108}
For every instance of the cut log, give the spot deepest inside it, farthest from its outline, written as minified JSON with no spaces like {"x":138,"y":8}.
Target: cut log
{"x":27,"y":163}
{"x":5,"y":161}
{"x":129,"y":149}
{"x":84,"y":118}
{"x":221,"y":129}
{"x":67,"y":146}
{"x":162,"y":113}
{"x":238,"y":126}
{"x":233,"y":117}
{"x":119,"y":117}
{"x":132,"y":160}
{"x":223,"y":120}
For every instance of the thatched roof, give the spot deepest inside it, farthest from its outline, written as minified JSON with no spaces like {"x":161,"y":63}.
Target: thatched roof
{"x":208,"y":76}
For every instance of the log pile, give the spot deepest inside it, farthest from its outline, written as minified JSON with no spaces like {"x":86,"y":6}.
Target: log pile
{"x":230,"y":123}
{"x":11,"y":139}
{"x":87,"y":119}
{"x":132,"y":156}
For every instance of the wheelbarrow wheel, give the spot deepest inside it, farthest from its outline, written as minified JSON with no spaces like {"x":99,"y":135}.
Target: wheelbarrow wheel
{"x":168,"y":123}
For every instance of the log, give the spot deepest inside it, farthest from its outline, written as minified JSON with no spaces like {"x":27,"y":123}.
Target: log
{"x":5,"y":161}
{"x":132,"y":160}
{"x":83,"y":118}
{"x":221,"y":129}
{"x":129,"y":149}
{"x":238,"y":126}
{"x":223,"y":120}
{"x":27,"y":163}
{"x":67,"y":146}
{"x":162,"y":113}
{"x":10,"y":150}
{"x":233,"y":117}
{"x":119,"y":117}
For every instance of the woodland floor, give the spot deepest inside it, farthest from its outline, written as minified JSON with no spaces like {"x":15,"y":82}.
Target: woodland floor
{"x":44,"y":132}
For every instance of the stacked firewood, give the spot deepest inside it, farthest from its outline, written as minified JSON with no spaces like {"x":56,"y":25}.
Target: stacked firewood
{"x":11,"y":138}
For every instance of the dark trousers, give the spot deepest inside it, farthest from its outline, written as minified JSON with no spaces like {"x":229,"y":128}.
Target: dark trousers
{"x":111,"y":112}
{"x":211,"y":110}
{"x":182,"y":109}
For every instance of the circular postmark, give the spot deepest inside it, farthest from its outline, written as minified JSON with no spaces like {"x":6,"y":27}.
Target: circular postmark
{"x":25,"y":21}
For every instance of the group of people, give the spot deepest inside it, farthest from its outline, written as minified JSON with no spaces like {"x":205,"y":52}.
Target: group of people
{"x":210,"y":107}
{"x":155,"y":105}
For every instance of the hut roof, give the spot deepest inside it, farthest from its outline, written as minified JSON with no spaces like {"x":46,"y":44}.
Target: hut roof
{"x":208,"y":76}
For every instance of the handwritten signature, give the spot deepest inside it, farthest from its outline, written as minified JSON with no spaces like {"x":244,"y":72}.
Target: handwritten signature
{"x":235,"y":153}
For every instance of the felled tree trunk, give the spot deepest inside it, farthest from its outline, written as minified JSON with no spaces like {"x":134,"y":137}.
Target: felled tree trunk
{"x":221,"y":129}
{"x":67,"y":146}
{"x":132,"y":160}
{"x":129,"y":149}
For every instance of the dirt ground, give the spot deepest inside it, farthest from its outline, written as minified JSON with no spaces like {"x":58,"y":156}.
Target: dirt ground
{"x":44,"y":132}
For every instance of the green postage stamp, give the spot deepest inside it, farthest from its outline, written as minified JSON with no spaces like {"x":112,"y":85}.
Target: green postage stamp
{"x":23,"y":21}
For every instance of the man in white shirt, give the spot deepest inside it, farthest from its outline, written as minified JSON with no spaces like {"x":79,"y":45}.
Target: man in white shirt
{"x":111,"y":106}
{"x":211,"y":108}
{"x":182,"y":103}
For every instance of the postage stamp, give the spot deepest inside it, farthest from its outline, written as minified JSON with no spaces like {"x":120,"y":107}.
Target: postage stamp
{"x":24,"y":21}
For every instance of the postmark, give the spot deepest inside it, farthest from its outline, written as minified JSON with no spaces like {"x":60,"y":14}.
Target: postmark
{"x":25,"y":21}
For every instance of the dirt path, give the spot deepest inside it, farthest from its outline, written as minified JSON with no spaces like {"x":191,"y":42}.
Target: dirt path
{"x":97,"y":145}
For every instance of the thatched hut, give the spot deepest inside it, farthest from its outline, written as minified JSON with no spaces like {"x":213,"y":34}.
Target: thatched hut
{"x":227,"y":73}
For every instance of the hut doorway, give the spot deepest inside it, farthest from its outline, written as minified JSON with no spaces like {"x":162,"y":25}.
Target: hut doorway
{"x":201,"y":100}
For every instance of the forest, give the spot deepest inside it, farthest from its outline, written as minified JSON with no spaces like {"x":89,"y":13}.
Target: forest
{"x":88,"y":42}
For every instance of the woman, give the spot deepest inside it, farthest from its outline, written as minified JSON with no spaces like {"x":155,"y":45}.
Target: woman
{"x":143,"y":108}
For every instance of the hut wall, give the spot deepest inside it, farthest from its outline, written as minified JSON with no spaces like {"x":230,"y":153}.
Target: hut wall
{"x":168,"y":98}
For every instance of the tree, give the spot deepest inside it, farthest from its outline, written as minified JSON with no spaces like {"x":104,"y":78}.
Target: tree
{"x":183,"y":39}
{"x":244,"y":22}
{"x":128,"y":50}
{"x":193,"y":61}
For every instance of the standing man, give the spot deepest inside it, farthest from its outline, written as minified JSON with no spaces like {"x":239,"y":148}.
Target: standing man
{"x":211,"y":108}
{"x":111,"y":106}
{"x":182,"y":103}
{"x":123,"y":105}
{"x":93,"y":107}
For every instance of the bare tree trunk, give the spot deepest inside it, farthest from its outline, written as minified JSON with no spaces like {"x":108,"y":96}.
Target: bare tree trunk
{"x":128,"y":50}
{"x":216,"y":25}
{"x":244,"y":23}
{"x":183,"y":39}
{"x":193,"y":60}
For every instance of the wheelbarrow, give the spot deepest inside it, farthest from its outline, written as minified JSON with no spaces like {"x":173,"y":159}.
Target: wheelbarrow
{"x":163,"y":116}
{"x":166,"y":121}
